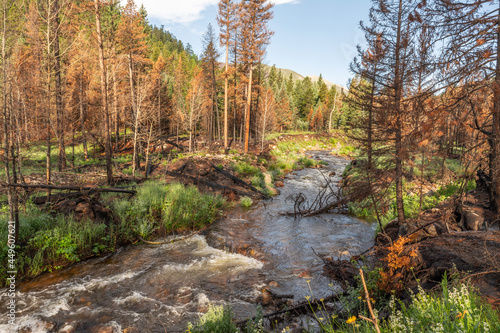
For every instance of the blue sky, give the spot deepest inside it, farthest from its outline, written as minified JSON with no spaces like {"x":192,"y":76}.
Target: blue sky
{"x":312,"y":37}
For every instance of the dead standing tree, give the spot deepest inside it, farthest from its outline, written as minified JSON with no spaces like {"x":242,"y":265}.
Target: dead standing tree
{"x":255,"y":36}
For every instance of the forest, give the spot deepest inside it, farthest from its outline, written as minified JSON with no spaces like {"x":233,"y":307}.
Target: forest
{"x":99,"y":106}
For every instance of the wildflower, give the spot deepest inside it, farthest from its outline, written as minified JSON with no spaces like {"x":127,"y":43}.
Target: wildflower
{"x":359,"y":297}
{"x":461,"y":314}
{"x":307,"y":297}
{"x":351,"y":320}
{"x":308,"y":281}
{"x":372,"y":300}
{"x":321,"y":300}
{"x":321,"y":319}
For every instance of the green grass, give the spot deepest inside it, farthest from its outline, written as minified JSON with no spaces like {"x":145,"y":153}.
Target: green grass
{"x":452,"y":310}
{"x":246,"y":202}
{"x":217,"y":319}
{"x":50,"y":242}
{"x":455,"y":308}
{"x":364,"y":209}
{"x":168,"y":207}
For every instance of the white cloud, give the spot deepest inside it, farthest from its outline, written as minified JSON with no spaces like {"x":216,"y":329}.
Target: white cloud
{"x":282,"y":2}
{"x":177,"y":11}
{"x":184,"y":11}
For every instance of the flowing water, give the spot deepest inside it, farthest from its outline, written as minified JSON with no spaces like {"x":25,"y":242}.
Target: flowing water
{"x":161,"y":288}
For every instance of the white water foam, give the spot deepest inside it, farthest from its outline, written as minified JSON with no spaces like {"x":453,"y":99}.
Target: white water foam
{"x":214,"y":259}
{"x":136,"y":297}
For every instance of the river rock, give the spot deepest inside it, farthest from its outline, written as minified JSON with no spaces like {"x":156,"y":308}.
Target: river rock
{"x":473,"y":218}
{"x":68,"y":327}
{"x":273,"y":284}
{"x":84,"y":208}
{"x":268,"y":179}
{"x":103,"y":329}
{"x":131,"y":330}
{"x":265,"y":298}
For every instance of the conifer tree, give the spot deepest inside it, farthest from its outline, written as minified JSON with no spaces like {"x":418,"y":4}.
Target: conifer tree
{"x":255,"y":36}
{"x":209,"y":64}
{"x":104,"y":92}
{"x":226,"y":20}
{"x":131,"y":39}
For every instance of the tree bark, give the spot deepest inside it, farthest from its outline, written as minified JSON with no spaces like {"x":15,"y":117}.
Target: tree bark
{"x":136,"y":113}
{"x":495,"y":136}
{"x":226,"y":84}
{"x":61,"y":160}
{"x":249,"y":106}
{"x":399,"y":121}
{"x":82,"y":117}
{"x":104,"y":93}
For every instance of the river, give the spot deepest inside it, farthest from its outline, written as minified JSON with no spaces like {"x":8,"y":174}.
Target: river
{"x":161,"y":288}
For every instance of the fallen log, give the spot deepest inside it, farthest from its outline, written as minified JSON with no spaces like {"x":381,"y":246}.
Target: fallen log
{"x":174,"y":144}
{"x":209,"y":183}
{"x":71,"y":188}
{"x":237,"y":180}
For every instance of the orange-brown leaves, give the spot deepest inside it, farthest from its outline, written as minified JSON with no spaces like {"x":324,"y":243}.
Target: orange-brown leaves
{"x":400,"y":261}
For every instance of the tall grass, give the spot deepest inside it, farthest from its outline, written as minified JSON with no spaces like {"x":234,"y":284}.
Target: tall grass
{"x":49,"y":242}
{"x":170,"y":207}
{"x":453,"y":310}
{"x":217,"y":319}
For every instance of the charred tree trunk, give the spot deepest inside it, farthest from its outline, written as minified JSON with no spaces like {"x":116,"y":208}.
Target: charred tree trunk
{"x":61,"y":160}
{"x":104,"y":92}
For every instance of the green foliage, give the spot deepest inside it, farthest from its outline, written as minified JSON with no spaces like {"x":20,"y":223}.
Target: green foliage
{"x":169,"y":206}
{"x":411,"y":198}
{"x":217,"y":319}
{"x":347,"y":150}
{"x":185,"y":207}
{"x":245,"y":169}
{"x":456,"y":309}
{"x":255,"y":325}
{"x":50,"y":242}
{"x":246,"y":201}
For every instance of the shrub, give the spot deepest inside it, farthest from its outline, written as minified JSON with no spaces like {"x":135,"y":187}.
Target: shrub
{"x":458,"y":309}
{"x":217,"y":319}
{"x":185,"y":207}
{"x":246,"y":201}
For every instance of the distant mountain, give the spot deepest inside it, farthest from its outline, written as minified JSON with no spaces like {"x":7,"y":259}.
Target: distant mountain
{"x":298,"y":77}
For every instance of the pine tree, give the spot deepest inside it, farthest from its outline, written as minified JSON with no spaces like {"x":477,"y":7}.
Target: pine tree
{"x":209,"y":64}
{"x":132,"y":41}
{"x":226,"y":20}
{"x":255,"y":36}
{"x":104,"y":92}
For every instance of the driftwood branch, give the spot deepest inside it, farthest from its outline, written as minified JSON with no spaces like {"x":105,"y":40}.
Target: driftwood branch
{"x":331,"y":206}
{"x":71,"y":188}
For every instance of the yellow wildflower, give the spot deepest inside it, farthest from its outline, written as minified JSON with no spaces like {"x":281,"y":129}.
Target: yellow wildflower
{"x":351,"y":320}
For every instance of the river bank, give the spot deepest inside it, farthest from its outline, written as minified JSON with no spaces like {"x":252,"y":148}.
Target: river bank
{"x":146,"y":287}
